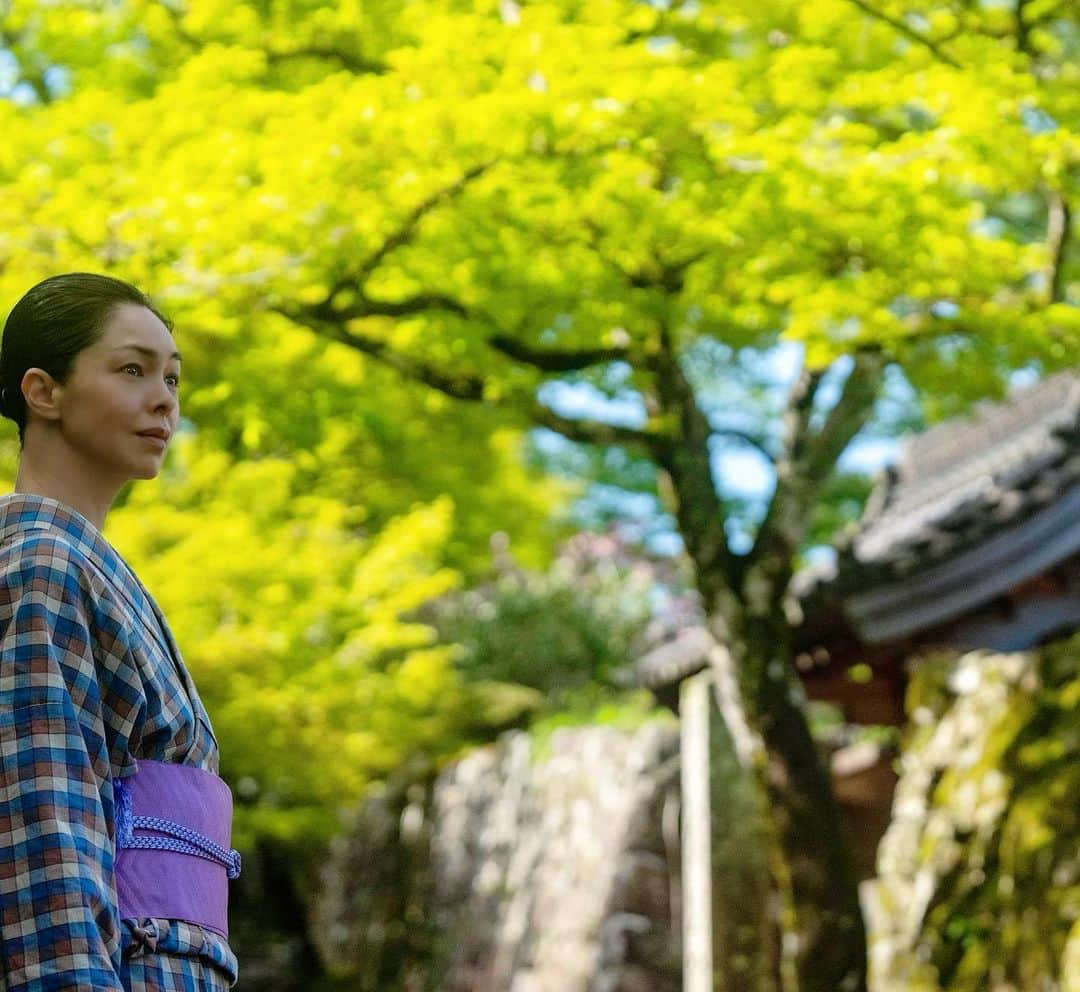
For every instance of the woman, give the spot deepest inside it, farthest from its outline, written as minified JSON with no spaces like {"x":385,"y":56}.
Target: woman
{"x":114,"y":827}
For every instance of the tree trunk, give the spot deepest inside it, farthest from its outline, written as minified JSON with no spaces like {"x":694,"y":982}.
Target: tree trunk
{"x":820,"y":920}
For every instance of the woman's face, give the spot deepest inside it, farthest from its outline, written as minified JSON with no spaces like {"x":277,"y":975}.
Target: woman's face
{"x":122,"y":390}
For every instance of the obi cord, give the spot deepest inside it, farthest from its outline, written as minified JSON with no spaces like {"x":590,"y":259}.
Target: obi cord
{"x":178,"y":838}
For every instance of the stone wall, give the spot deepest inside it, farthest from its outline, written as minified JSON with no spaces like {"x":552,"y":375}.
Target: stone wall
{"x":555,"y":871}
{"x":528,"y":866}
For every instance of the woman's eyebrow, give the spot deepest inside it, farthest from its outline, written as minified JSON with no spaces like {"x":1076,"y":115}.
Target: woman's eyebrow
{"x":149,"y":352}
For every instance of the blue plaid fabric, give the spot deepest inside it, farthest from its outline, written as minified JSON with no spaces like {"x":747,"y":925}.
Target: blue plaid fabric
{"x":90,"y":681}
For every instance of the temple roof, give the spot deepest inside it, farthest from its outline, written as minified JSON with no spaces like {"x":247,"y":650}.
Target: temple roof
{"x":976,"y":507}
{"x":968,"y":478}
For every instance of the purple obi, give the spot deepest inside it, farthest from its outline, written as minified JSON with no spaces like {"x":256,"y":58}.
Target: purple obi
{"x":173,"y":859}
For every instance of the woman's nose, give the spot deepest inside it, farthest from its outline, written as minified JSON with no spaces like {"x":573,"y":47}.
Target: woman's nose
{"x":166,"y":398}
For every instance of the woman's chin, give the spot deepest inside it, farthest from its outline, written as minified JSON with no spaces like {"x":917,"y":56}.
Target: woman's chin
{"x":147,"y":471}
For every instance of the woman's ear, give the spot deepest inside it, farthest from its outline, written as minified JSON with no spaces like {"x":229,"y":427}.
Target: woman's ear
{"x":42,"y":394}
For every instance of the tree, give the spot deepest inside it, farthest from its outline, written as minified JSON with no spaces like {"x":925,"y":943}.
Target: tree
{"x":491,"y":198}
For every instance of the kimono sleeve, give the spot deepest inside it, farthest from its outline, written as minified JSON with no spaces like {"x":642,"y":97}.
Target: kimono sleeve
{"x":59,"y":925}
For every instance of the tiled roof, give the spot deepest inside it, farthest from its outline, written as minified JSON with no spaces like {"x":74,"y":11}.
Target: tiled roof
{"x":966,"y":479}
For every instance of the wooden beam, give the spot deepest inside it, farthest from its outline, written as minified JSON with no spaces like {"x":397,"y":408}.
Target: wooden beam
{"x":696,"y":834}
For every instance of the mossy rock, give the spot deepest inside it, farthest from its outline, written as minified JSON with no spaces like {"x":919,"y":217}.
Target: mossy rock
{"x":979,"y":873}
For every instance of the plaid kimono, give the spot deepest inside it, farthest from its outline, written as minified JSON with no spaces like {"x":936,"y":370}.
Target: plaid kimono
{"x":90,"y":681}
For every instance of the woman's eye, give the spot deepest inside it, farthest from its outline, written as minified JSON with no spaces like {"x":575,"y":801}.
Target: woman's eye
{"x":135,"y":367}
{"x":173,"y":380}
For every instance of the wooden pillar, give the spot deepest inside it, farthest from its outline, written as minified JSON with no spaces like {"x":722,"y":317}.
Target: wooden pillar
{"x":694,"y":699}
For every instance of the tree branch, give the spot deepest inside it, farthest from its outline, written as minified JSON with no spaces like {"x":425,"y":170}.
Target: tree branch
{"x":364,"y":306}
{"x":556,"y":359}
{"x":747,"y":438}
{"x":667,"y":276}
{"x":12,"y":42}
{"x":352,"y":281}
{"x":777,"y":537}
{"x":472,"y":388}
{"x":595,"y":431}
{"x":461,"y":386}
{"x":687,"y":460}
{"x":407,"y":229}
{"x":848,"y":416}
{"x":1058,"y":232}
{"x":1023,"y":28}
{"x":808,"y":461}
{"x":908,"y":31}
{"x":354,"y":63}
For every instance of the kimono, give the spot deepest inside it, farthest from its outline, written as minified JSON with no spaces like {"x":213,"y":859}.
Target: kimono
{"x":90,"y":681}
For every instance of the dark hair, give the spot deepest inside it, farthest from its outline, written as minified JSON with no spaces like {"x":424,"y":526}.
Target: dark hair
{"x":51,"y":324}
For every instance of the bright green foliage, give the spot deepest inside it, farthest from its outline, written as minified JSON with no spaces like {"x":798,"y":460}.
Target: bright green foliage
{"x":808,"y":168}
{"x":980,"y":872}
{"x":295,"y":627}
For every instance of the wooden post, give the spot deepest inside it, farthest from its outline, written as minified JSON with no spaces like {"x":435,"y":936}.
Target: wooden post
{"x":694,"y":698}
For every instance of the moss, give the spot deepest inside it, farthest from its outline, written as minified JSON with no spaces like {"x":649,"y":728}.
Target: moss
{"x":980,"y":871}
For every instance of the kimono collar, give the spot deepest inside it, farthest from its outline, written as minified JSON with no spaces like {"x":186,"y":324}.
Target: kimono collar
{"x":30,"y":511}
{"x":22,"y":512}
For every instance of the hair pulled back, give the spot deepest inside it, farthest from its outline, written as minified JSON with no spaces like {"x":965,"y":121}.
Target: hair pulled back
{"x":51,"y":324}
